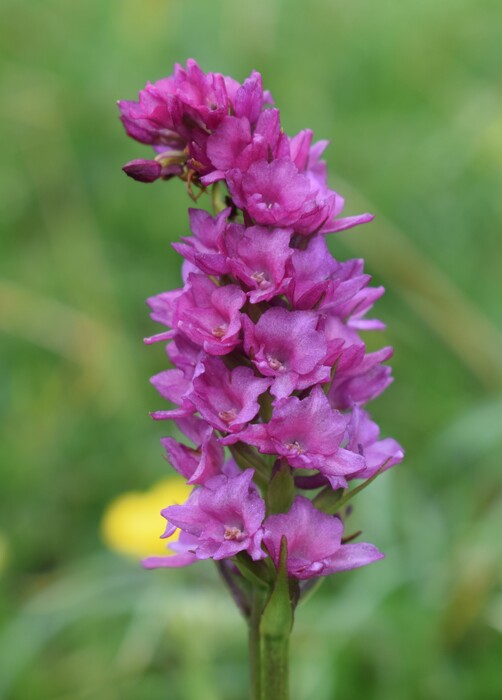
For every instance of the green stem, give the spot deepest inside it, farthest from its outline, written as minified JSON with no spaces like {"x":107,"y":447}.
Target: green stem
{"x":275,"y":627}
{"x":255,"y":645}
{"x":275,"y":667}
{"x":268,"y":656}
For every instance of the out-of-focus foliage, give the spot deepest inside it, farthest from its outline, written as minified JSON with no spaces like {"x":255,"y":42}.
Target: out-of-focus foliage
{"x":409,"y":95}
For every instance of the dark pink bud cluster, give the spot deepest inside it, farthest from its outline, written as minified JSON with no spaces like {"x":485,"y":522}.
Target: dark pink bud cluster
{"x":263,"y":337}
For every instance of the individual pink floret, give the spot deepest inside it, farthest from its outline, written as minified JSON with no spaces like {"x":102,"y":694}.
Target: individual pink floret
{"x":287,"y":346}
{"x":162,"y":306}
{"x":276,"y":194}
{"x":363,"y":436}
{"x":308,"y":433}
{"x":314,"y":542}
{"x":155,"y":117}
{"x":258,"y":257}
{"x":225,"y":515}
{"x":226,"y":399}
{"x":176,"y":384}
{"x":349,"y":298}
{"x":236,"y":145}
{"x":184,"y":555}
{"x":200,"y":463}
{"x":209,"y":315}
{"x":203,"y":95}
{"x":334,"y":225}
{"x":249,"y":99}
{"x":361,"y":380}
{"x":203,"y":249}
{"x":310,"y":271}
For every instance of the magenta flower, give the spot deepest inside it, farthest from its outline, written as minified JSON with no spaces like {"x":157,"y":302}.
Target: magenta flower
{"x":230,"y":143}
{"x":162,"y":307}
{"x":363,"y":439}
{"x":306,"y":156}
{"x":226,"y":399}
{"x":203,"y":96}
{"x":362,"y":379}
{"x":258,"y":257}
{"x":209,"y":315}
{"x":249,"y":99}
{"x":308,"y":434}
{"x":184,"y":547}
{"x":225,"y":515}
{"x":153,"y":119}
{"x":234,"y":145}
{"x":310,"y":272}
{"x":203,"y":249}
{"x":175,"y":385}
{"x":295,"y":365}
{"x":200,"y":463}
{"x":314,"y":542}
{"x":276,"y":194}
{"x":349,"y":298}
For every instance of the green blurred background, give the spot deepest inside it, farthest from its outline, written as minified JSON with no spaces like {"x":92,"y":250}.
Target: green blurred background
{"x":409,"y":95}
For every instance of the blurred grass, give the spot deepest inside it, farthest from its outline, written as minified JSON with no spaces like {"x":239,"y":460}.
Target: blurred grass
{"x":409,"y":96}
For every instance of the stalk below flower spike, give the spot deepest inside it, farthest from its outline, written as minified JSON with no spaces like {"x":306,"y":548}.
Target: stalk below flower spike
{"x":275,"y":627}
{"x":268,"y":374}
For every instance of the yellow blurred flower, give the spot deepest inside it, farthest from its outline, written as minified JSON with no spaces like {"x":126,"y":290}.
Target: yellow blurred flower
{"x":132,"y":523}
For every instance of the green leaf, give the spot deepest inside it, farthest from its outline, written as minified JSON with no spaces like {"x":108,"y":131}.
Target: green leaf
{"x":248,"y":457}
{"x":218,"y":198}
{"x":350,"y":494}
{"x":277,"y":619}
{"x":328,"y":501}
{"x":281,"y":490}
{"x":259,"y":573}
